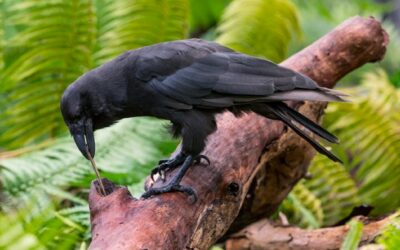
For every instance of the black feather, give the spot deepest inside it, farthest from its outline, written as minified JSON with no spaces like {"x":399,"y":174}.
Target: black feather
{"x":283,"y":115}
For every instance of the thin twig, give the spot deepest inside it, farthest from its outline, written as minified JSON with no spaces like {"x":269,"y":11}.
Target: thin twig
{"x":102,"y":189}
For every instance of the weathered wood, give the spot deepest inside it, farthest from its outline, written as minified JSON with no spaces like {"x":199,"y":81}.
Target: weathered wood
{"x":264,"y":235}
{"x":241,"y":149}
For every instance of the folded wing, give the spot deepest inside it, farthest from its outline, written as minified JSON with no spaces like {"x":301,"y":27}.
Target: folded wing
{"x":225,"y":79}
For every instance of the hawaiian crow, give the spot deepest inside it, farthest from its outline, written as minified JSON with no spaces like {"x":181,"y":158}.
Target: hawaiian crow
{"x":188,"y":82}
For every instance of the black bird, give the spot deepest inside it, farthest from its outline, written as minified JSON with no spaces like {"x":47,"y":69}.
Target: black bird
{"x":188,"y":82}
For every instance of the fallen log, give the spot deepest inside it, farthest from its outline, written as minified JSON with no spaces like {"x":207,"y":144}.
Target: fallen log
{"x":264,"y":235}
{"x":254,"y":162}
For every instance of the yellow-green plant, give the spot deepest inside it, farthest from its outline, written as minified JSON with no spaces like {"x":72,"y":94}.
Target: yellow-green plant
{"x":369,"y":131}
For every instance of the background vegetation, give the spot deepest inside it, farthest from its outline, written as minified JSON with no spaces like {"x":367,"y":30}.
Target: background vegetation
{"x":46,"y":45}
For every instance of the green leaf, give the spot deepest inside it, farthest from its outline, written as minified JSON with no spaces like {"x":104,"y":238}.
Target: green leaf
{"x":27,"y":230}
{"x":261,"y":28}
{"x":57,"y":38}
{"x":369,"y":132}
{"x":125,"y":25}
{"x":303,"y":208}
{"x":205,"y":14}
{"x":353,"y":236}
{"x":390,"y":237}
{"x":126,"y":153}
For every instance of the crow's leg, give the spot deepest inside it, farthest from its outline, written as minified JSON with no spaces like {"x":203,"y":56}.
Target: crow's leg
{"x":195,"y":127}
{"x":174,"y":185}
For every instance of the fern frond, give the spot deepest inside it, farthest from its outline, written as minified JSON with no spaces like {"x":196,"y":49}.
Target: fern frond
{"x":303,"y":207}
{"x":369,"y":132}
{"x":206,"y":13}
{"x":42,"y":231}
{"x":126,"y":153}
{"x":261,"y":28}
{"x":125,"y":25}
{"x":353,"y":236}
{"x":390,"y":237}
{"x":57,"y":38}
{"x":334,"y":187}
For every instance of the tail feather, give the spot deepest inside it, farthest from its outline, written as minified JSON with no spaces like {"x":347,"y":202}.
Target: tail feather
{"x":288,"y":115}
{"x":310,"y":125}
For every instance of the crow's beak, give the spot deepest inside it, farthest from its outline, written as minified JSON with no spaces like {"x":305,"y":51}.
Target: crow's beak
{"x":84,"y":138}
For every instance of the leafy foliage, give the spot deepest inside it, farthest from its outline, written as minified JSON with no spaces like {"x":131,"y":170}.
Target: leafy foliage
{"x":45,"y":45}
{"x":44,"y":231}
{"x":258,"y":27}
{"x":319,"y":197}
{"x":390,"y":238}
{"x":353,"y":237}
{"x":57,"y":39}
{"x":303,"y":207}
{"x":126,"y":153}
{"x":205,"y":14}
{"x":369,"y":132}
{"x":125,"y":25}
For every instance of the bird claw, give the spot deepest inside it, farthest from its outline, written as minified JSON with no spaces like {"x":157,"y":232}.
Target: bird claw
{"x":198,"y":159}
{"x":160,"y":172}
{"x":167,"y":165}
{"x":171,"y":188}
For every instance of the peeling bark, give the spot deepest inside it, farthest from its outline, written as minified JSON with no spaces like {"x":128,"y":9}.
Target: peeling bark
{"x":254,"y":162}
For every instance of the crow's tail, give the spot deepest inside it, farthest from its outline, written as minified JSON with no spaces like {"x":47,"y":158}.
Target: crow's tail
{"x":282,"y":112}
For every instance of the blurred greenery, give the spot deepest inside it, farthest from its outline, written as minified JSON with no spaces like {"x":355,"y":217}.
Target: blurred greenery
{"x":353,"y":236}
{"x":46,"y":45}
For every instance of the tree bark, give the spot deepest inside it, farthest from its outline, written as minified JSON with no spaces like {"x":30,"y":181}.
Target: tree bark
{"x":254,"y":162}
{"x":264,"y":235}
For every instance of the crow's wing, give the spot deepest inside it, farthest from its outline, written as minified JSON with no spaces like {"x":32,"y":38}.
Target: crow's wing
{"x":225,"y":79}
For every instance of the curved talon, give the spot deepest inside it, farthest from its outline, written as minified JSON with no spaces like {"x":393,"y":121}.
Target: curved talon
{"x":167,"y":165}
{"x":198,"y":159}
{"x":162,"y":174}
{"x":153,"y":173}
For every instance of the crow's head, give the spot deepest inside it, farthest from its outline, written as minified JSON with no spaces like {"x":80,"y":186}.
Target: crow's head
{"x":77,"y":113}
{"x":95,"y":100}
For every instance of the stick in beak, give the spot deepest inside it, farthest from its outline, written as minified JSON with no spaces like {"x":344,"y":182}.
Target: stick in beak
{"x":102,"y":189}
{"x":84,"y":140}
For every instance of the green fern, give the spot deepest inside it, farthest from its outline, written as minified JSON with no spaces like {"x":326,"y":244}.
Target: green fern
{"x":43,"y":231}
{"x":353,"y":236}
{"x":327,"y":197}
{"x":390,"y":237}
{"x":205,"y":14}
{"x":369,"y":133}
{"x":370,"y":141}
{"x":303,"y":207}
{"x":259,"y":27}
{"x":58,"y":41}
{"x":126,"y":153}
{"x":334,"y":188}
{"x":57,"y":38}
{"x":128,"y":25}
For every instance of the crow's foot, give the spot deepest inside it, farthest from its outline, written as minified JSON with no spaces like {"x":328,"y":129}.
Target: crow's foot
{"x":170,"y":188}
{"x":174,"y":185}
{"x":167,"y":165}
{"x":197,"y":159}
{"x":170,"y":164}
